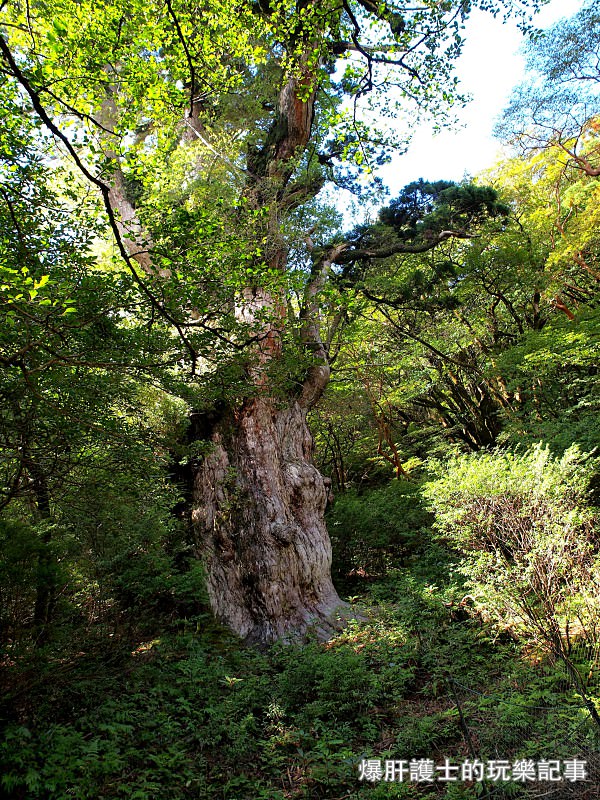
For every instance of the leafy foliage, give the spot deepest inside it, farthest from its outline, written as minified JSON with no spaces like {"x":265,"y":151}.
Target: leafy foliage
{"x":471,"y":366}
{"x":527,"y":535}
{"x":377,"y":529}
{"x":423,"y":207}
{"x":560,"y":95}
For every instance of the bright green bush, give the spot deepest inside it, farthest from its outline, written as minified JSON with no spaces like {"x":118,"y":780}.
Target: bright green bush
{"x":554,"y":372}
{"x":528,"y":536}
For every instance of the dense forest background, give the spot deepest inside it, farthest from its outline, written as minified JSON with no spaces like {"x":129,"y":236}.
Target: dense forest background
{"x":444,"y":350}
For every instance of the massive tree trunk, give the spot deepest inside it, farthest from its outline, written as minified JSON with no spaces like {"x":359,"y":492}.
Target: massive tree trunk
{"x":258,"y":500}
{"x":259,"y":504}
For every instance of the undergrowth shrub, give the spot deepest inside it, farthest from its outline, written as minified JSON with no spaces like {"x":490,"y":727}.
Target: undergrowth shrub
{"x":319,"y":683}
{"x":375,"y":530}
{"x":20,"y":548}
{"x":558,"y":368}
{"x":528,"y":536}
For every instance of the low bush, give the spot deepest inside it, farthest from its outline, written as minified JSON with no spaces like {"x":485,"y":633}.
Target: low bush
{"x":376,"y":530}
{"x":528,"y":537}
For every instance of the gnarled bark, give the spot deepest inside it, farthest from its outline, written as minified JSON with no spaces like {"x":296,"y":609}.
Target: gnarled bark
{"x":259,"y":501}
{"x":258,"y":515}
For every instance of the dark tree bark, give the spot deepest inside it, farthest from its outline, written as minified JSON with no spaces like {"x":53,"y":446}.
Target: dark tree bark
{"x":45,"y":583}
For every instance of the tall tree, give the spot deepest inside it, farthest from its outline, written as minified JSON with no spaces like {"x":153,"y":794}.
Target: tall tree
{"x":559,"y":102}
{"x":208,"y":130}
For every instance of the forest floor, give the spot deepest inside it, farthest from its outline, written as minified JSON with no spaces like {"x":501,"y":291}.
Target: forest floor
{"x":177,"y":708}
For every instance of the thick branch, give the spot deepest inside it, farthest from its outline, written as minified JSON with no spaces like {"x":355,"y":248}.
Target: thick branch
{"x":317,"y":376}
{"x":291,"y":128}
{"x":299,"y":192}
{"x":347,"y":256}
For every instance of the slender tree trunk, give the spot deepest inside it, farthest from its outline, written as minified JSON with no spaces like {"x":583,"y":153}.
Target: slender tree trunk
{"x":45,"y":581}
